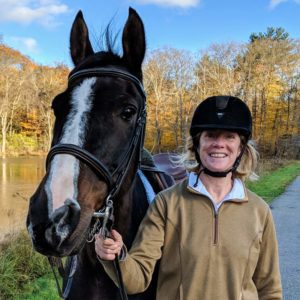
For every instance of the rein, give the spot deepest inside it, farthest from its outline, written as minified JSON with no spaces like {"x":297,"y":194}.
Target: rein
{"x":113,"y":180}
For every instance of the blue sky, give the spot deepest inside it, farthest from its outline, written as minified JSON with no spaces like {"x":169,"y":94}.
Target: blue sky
{"x":40,"y":28}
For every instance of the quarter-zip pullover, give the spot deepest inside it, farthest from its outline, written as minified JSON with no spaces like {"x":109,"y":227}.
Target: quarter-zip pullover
{"x":231,"y":255}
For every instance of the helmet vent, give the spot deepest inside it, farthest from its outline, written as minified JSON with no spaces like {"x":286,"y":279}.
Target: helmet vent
{"x":222,"y":102}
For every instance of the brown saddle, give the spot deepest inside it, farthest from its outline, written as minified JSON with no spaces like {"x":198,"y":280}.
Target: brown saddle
{"x":165,"y":163}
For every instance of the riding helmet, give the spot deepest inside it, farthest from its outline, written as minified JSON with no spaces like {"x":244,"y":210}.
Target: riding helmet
{"x":222,"y":112}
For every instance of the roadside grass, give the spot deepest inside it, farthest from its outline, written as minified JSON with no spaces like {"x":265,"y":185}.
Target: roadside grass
{"x":26,"y":275}
{"x":41,"y":288}
{"x":19,"y":264}
{"x":272,"y":183}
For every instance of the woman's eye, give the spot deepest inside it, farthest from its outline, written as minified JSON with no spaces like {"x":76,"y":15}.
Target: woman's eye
{"x":210,"y":134}
{"x":128,"y":113}
{"x":230,"y":136}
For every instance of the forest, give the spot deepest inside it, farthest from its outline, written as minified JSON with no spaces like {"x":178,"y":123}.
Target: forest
{"x":264,"y":72}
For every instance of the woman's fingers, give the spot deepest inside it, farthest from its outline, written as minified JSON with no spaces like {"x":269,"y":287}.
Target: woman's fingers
{"x":116,"y":236}
{"x":104,"y":251}
{"x":118,"y":240}
{"x":107,"y":248}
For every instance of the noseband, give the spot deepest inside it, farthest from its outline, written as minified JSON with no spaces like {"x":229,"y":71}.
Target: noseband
{"x":115,"y":179}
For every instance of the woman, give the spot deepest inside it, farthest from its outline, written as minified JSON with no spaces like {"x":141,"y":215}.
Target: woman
{"x":215,"y":239}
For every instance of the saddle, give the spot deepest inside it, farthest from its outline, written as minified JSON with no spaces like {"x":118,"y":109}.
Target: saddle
{"x":162,"y":165}
{"x":165,"y":162}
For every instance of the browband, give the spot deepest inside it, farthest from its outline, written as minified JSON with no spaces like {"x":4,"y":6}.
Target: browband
{"x":108,"y":72}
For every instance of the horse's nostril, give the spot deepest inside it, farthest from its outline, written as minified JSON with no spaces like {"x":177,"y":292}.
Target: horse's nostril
{"x":62,"y":222}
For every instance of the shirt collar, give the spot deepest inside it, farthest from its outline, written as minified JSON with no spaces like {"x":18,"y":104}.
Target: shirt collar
{"x":237,"y":192}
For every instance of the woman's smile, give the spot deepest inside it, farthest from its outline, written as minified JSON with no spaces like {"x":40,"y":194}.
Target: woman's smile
{"x":218,"y":155}
{"x":218,"y":149}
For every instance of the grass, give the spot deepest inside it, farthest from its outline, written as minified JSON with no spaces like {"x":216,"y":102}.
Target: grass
{"x":26,"y":275}
{"x":272,"y":183}
{"x":41,"y":288}
{"x":19,"y":264}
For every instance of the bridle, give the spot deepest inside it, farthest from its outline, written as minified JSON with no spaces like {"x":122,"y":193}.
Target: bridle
{"x":113,"y":179}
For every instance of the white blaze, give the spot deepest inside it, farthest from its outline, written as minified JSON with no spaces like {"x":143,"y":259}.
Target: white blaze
{"x":64,"y":169}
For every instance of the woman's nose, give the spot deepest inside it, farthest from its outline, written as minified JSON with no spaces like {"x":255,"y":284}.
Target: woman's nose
{"x":219,"y":141}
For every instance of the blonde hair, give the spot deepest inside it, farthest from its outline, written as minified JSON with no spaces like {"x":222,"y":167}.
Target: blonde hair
{"x":245,"y":170}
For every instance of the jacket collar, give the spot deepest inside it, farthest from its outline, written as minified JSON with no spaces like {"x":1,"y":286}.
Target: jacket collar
{"x":237,"y":193}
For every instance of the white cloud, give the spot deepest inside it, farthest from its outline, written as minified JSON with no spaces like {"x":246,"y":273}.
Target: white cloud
{"x":28,"y":11}
{"x":26,"y":45}
{"x":275,"y":3}
{"x":180,"y":3}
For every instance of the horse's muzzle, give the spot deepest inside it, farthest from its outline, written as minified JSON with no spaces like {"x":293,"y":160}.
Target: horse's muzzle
{"x":63,"y":222}
{"x":52,"y":237}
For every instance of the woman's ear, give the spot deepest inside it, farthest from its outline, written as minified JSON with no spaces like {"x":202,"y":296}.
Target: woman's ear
{"x":196,"y":146}
{"x":243,"y":142}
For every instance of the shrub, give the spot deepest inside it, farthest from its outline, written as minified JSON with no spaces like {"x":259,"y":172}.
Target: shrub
{"x":20,"y":143}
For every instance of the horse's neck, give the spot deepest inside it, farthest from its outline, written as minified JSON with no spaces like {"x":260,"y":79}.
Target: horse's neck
{"x":123,"y":212}
{"x":131,"y":207}
{"x":139,"y":200}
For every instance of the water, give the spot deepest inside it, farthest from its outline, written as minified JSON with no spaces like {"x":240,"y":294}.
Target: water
{"x":19,"y":178}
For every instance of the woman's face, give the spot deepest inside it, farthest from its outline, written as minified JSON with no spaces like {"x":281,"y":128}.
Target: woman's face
{"x":218,"y":149}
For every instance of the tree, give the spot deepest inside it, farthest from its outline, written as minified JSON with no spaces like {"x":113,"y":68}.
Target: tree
{"x":13,"y":67}
{"x":274,"y":34}
{"x":267,"y":68}
{"x":26,"y":92}
{"x":215,"y":71}
{"x":48,"y":82}
{"x":168,"y":78}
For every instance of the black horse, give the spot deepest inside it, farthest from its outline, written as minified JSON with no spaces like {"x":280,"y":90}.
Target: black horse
{"x":96,"y":149}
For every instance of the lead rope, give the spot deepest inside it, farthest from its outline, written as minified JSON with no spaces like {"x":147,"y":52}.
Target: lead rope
{"x":105,"y":232}
{"x":120,"y":278}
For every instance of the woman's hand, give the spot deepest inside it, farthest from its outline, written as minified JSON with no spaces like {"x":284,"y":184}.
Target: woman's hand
{"x":108,"y":248}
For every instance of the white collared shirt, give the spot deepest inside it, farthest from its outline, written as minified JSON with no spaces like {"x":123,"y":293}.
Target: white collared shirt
{"x":237,"y":191}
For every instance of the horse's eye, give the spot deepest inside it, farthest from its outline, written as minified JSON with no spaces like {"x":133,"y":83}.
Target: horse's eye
{"x":128,"y":113}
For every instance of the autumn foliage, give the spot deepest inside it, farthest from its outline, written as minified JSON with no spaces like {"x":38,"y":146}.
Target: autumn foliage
{"x":26,"y":92}
{"x":264,"y":73}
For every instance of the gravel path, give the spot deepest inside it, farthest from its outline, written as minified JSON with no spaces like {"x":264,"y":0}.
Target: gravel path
{"x":286,"y":213}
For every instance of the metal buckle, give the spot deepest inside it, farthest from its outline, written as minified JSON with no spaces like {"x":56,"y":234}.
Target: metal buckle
{"x":103,"y":217}
{"x":108,"y":215}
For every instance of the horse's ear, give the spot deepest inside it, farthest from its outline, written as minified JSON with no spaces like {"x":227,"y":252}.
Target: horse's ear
{"x":80,"y":44}
{"x":133,"y":40}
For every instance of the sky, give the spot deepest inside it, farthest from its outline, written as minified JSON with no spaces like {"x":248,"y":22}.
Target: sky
{"x":40,"y":28}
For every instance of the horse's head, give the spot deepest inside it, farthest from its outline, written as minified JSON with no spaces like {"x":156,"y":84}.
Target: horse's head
{"x":99,"y":122}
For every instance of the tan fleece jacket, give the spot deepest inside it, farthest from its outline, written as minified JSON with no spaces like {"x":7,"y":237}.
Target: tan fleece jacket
{"x":229,"y":255}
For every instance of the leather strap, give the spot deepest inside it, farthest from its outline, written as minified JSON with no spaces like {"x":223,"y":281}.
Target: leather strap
{"x":110,"y":72}
{"x":97,"y":166}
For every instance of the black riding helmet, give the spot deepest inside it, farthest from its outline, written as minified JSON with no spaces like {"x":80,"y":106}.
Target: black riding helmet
{"x":221,"y":112}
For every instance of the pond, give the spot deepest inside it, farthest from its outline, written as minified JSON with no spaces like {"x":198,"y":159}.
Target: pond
{"x":19,"y":178}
